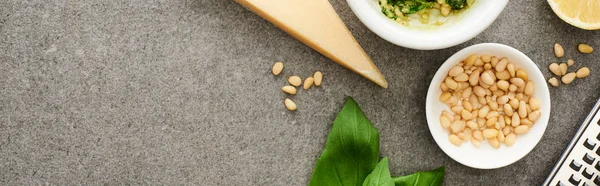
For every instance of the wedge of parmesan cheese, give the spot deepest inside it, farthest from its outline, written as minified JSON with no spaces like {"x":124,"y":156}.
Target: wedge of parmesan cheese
{"x":316,"y":24}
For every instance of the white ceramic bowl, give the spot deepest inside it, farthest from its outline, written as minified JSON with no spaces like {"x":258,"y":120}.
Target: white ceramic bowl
{"x":487,"y":157}
{"x":470,"y":23}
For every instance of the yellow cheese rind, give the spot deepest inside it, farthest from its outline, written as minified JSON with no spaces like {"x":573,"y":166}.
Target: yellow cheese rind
{"x":316,"y":24}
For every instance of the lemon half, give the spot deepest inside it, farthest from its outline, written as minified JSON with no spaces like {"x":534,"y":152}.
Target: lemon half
{"x":584,"y":14}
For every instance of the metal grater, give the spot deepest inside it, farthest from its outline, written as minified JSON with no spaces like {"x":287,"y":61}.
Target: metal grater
{"x":580,"y":163}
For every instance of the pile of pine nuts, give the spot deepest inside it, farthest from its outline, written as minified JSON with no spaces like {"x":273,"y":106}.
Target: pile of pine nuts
{"x":296,"y":81}
{"x":561,"y":70}
{"x":490,"y":99}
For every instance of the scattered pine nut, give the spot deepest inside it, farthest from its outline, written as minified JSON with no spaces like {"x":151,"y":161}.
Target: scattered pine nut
{"x":295,"y":80}
{"x":290,"y":105}
{"x":555,"y":69}
{"x":277,"y":68}
{"x":553,"y":81}
{"x":318,"y":76}
{"x":568,"y":79}
{"x":584,"y":48}
{"x":583,"y":72}
{"x":563,"y":68}
{"x":308,"y":82}
{"x":558,"y":50}
{"x":570,"y":62}
{"x":289,"y":89}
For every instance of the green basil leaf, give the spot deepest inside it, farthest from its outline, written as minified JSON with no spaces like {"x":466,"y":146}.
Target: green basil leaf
{"x":380,"y":176}
{"x":431,"y":178}
{"x":351,"y":151}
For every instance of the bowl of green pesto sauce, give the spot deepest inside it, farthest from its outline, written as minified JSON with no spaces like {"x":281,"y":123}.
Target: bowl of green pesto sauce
{"x":427,"y":24}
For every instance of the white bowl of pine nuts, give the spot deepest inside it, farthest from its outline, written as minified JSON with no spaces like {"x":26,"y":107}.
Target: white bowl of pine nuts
{"x":488,"y":106}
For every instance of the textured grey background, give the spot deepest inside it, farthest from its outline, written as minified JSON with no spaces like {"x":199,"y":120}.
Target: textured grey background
{"x":180,"y":91}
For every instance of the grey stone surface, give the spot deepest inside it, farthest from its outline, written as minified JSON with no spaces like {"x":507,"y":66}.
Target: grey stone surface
{"x":180,"y":92}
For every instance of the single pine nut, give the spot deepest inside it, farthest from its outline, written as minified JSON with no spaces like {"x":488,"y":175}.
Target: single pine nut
{"x":522,"y":129}
{"x":455,"y":71}
{"x":289,"y":89}
{"x":522,"y":109}
{"x":584,"y":48}
{"x":501,"y":66}
{"x":486,"y":58}
{"x":501,"y":122}
{"x":516,"y":121}
{"x":568,"y":79}
{"x":462,"y":77}
{"x":501,"y":136}
{"x":529,"y":88}
{"x":474,"y":78}
{"x":462,"y":85}
{"x":471,"y":59}
{"x":466,"y":115}
{"x":492,"y":114}
{"x":494,"y":61}
{"x":507,"y":120}
{"x":534,"y":103}
{"x":503,"y":85}
{"x":506,"y":130}
{"x":467,"y":105}
{"x":493,"y":105}
{"x":479,"y":91}
{"x":553,"y":81}
{"x":570,"y":62}
{"x":474,"y":101}
{"x":277,"y":68}
{"x":490,"y":133}
{"x":527,"y":122}
{"x":519,"y":96}
{"x":494,"y":142}
{"x":318,"y":76}
{"x":457,"y":109}
{"x":461,"y":135}
{"x":555,"y":69}
{"x":510,"y":139}
{"x":482,"y":100}
{"x":308,"y":82}
{"x":523,"y":75}
{"x":478,"y":135}
{"x":502,"y":99}
{"x":487,"y":78}
{"x":295,"y":80}
{"x":445,"y":121}
{"x":481,"y":122}
{"x":563,"y":68}
{"x":514,"y":103}
{"x":479,"y":63}
{"x":451,"y":84}
{"x":518,"y":82}
{"x":484,"y":111}
{"x":473,"y":125}
{"x":512,"y":88}
{"x":558,"y":50}
{"x":491,"y":122}
{"x":457,"y":126}
{"x":454,"y":139}
{"x":511,"y":69}
{"x":444,"y":87}
{"x":535,"y":115}
{"x":503,"y":75}
{"x":467,"y":134}
{"x":290,"y":105}
{"x":508,"y":110}
{"x":583,"y":72}
{"x":467,"y":92}
{"x":445,"y":96}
